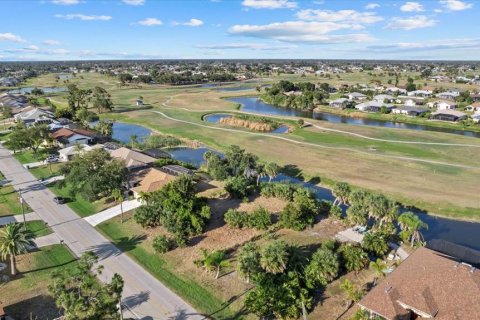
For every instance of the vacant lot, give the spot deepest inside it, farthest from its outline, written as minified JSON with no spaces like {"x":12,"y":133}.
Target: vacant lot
{"x":26,"y":296}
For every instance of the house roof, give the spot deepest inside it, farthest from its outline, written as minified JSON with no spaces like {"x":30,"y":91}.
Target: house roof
{"x":72,"y":150}
{"x":408,"y":108}
{"x":154,"y":180}
{"x":66,"y":133}
{"x":449,"y":112}
{"x":432,"y":284}
{"x":131,"y":158}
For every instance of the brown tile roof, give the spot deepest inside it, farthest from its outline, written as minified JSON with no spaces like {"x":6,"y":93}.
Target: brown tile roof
{"x":132,"y":158}
{"x":154,"y":180}
{"x":66,"y":133}
{"x":430,"y":283}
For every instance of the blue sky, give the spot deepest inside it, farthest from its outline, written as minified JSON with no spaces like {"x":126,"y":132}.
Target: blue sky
{"x":244,"y":29}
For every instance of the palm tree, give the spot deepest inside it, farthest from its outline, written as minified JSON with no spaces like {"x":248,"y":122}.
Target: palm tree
{"x":354,"y":257}
{"x":322,"y":268}
{"x":271,"y":169}
{"x":118,"y":196}
{"x":378,"y":267}
{"x":353,"y":293}
{"x":215,"y":260}
{"x":14,"y":240}
{"x":133,"y":140}
{"x":411,"y":224}
{"x":274,"y":257}
{"x":260,"y":172}
{"x":375,"y":242}
{"x":341,"y":190}
{"x":248,"y":260}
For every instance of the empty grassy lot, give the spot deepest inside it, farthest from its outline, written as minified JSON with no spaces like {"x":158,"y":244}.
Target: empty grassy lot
{"x":9,"y":201}
{"x":26,"y":295}
{"x":38,"y":228}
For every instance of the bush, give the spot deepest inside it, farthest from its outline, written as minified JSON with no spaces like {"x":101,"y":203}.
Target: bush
{"x":279,"y":190}
{"x":162,"y":244}
{"x":260,"y":219}
{"x":235,"y":219}
{"x":291,"y":218}
{"x":238,"y":187}
{"x":324,"y":207}
{"x":336,"y":212}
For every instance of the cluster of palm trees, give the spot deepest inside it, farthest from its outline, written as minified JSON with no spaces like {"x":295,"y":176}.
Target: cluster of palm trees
{"x":14,"y":240}
{"x":365,"y":207}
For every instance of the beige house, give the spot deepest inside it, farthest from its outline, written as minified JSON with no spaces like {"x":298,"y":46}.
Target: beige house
{"x":132,"y":159}
{"x":153,"y":181}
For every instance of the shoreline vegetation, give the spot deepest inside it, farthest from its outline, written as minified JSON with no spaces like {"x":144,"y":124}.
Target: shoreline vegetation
{"x":261,"y":124}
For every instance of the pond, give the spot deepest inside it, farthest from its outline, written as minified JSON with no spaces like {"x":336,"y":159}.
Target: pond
{"x":28,"y":90}
{"x":254,"y":105}
{"x":194,"y":156}
{"x":123,"y":131}
{"x":234,"y":89}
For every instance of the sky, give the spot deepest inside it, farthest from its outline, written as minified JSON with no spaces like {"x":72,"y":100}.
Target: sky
{"x":243,"y":29}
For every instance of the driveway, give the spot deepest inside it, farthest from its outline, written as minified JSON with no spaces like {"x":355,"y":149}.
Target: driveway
{"x":108,"y":214}
{"x":144,"y":295}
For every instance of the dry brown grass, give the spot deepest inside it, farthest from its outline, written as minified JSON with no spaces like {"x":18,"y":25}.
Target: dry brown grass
{"x":251,"y":125}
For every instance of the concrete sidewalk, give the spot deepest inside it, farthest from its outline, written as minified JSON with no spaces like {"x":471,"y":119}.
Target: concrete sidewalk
{"x":108,"y":214}
{"x":34,"y":164}
{"x":19,"y":218}
{"x":48,"y":240}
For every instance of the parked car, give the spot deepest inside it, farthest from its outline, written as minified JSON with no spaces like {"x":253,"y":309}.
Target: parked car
{"x":52,"y":158}
{"x":59,"y":200}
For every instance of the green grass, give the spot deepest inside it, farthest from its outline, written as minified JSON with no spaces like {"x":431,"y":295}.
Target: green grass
{"x":191,"y":291}
{"x":47,"y":171}
{"x":27,"y":292}
{"x":10,"y":203}
{"x":82,"y":207}
{"x":28,"y":156}
{"x":38,"y":228}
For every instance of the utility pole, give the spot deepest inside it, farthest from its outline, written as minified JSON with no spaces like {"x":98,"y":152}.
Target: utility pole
{"x":23,"y":210}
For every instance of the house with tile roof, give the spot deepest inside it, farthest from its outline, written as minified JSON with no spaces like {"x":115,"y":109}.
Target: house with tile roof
{"x":132,"y":159}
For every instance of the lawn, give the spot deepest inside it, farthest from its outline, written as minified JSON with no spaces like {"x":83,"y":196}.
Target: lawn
{"x":9,"y":201}
{"x":47,"y":171}
{"x":26,"y":296}
{"x":82,"y":207}
{"x":38,"y":228}
{"x":28,"y":156}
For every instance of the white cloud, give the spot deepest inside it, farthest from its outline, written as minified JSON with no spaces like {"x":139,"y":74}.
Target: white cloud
{"x":10,"y":37}
{"x":51,"y":42}
{"x":301,"y":31}
{"x":372,"y":6}
{"x":455,"y":5}
{"x":83,"y":17}
{"x":350,"y":16}
{"x":412,"y":7}
{"x":150,"y":22}
{"x":32,"y":48}
{"x":66,"y":2}
{"x":269,"y":4}
{"x":253,"y":46}
{"x":191,"y":23}
{"x":444,"y":44}
{"x":60,"y":52}
{"x":134,"y":2}
{"x":410,"y":23}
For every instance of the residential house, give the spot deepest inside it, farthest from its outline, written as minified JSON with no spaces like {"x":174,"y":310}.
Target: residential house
{"x":448,"y":95}
{"x":293,"y":93}
{"x":436,"y":282}
{"x":476,"y":117}
{"x":66,"y":137}
{"x":340,"y":103}
{"x":409,"y":111}
{"x":132,"y":159}
{"x":473,"y":107}
{"x":420,"y":93}
{"x":384,"y":98}
{"x":66,"y":154}
{"x":442,"y":105}
{"x":440,"y":79}
{"x":139,"y":102}
{"x":373,"y":106}
{"x":448,"y":115}
{"x":410,"y":100}
{"x":157,"y":153}
{"x":356,"y":96}
{"x":475,"y":97}
{"x":15,"y":102}
{"x":35,"y":116}
{"x":153,"y":180}
{"x":395,"y":90}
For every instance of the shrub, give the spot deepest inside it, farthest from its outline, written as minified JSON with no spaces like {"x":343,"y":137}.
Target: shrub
{"x":259,"y":219}
{"x":238,"y":187}
{"x":279,"y":190}
{"x":324,"y":207}
{"x":336,"y":212}
{"x":235,"y":219}
{"x":162,"y":244}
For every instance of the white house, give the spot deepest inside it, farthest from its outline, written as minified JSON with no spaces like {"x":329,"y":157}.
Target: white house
{"x":476,"y":117}
{"x":396,"y":90}
{"x":420,"y":93}
{"x":409,"y":111}
{"x":449,"y":95}
{"x":339,"y":103}
{"x":373,"y":106}
{"x":69,"y":137}
{"x":473,"y":107}
{"x":384,"y":98}
{"x":35,"y":116}
{"x":356,"y":96}
{"x":442,"y":105}
{"x":66,"y":154}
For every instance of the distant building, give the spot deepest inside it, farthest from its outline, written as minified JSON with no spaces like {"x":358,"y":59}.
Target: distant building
{"x":373,"y":106}
{"x":429,"y":284}
{"x":442,"y":105}
{"x":384,"y":98}
{"x":139,"y":102}
{"x":356,"y":96}
{"x":409,"y":111}
{"x":448,"y":115}
{"x":340,"y":103}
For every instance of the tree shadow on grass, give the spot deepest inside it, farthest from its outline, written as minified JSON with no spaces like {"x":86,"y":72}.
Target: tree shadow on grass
{"x":50,"y":267}
{"x":38,"y":307}
{"x":292,"y":171}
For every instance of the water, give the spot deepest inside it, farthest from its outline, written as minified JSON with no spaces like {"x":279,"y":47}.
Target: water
{"x":254,"y":105}
{"x":189,"y":155}
{"x":215,"y":118}
{"x":233,"y":89}
{"x":28,"y":90}
{"x":281,"y":130}
{"x":123,"y":131}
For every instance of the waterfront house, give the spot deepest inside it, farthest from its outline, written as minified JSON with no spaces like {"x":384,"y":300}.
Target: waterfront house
{"x":448,"y":95}
{"x":340,"y":103}
{"x":432,"y":283}
{"x":132,"y":159}
{"x":476,"y":117}
{"x":151,"y":180}
{"x":66,"y":137}
{"x":448,"y":115}
{"x":373,"y":106}
{"x":473,"y":107}
{"x":409,"y":111}
{"x":442,"y":105}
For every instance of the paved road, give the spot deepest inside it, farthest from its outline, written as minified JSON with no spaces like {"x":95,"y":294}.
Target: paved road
{"x":144,"y":295}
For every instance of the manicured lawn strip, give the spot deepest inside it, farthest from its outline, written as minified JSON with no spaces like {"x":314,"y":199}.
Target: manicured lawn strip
{"x":27,"y":292}
{"x":199,"y":297}
{"x":38,"y":228}
{"x":82,"y":207}
{"x":4,"y":135}
{"x":10,"y":203}
{"x":46,"y":171}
